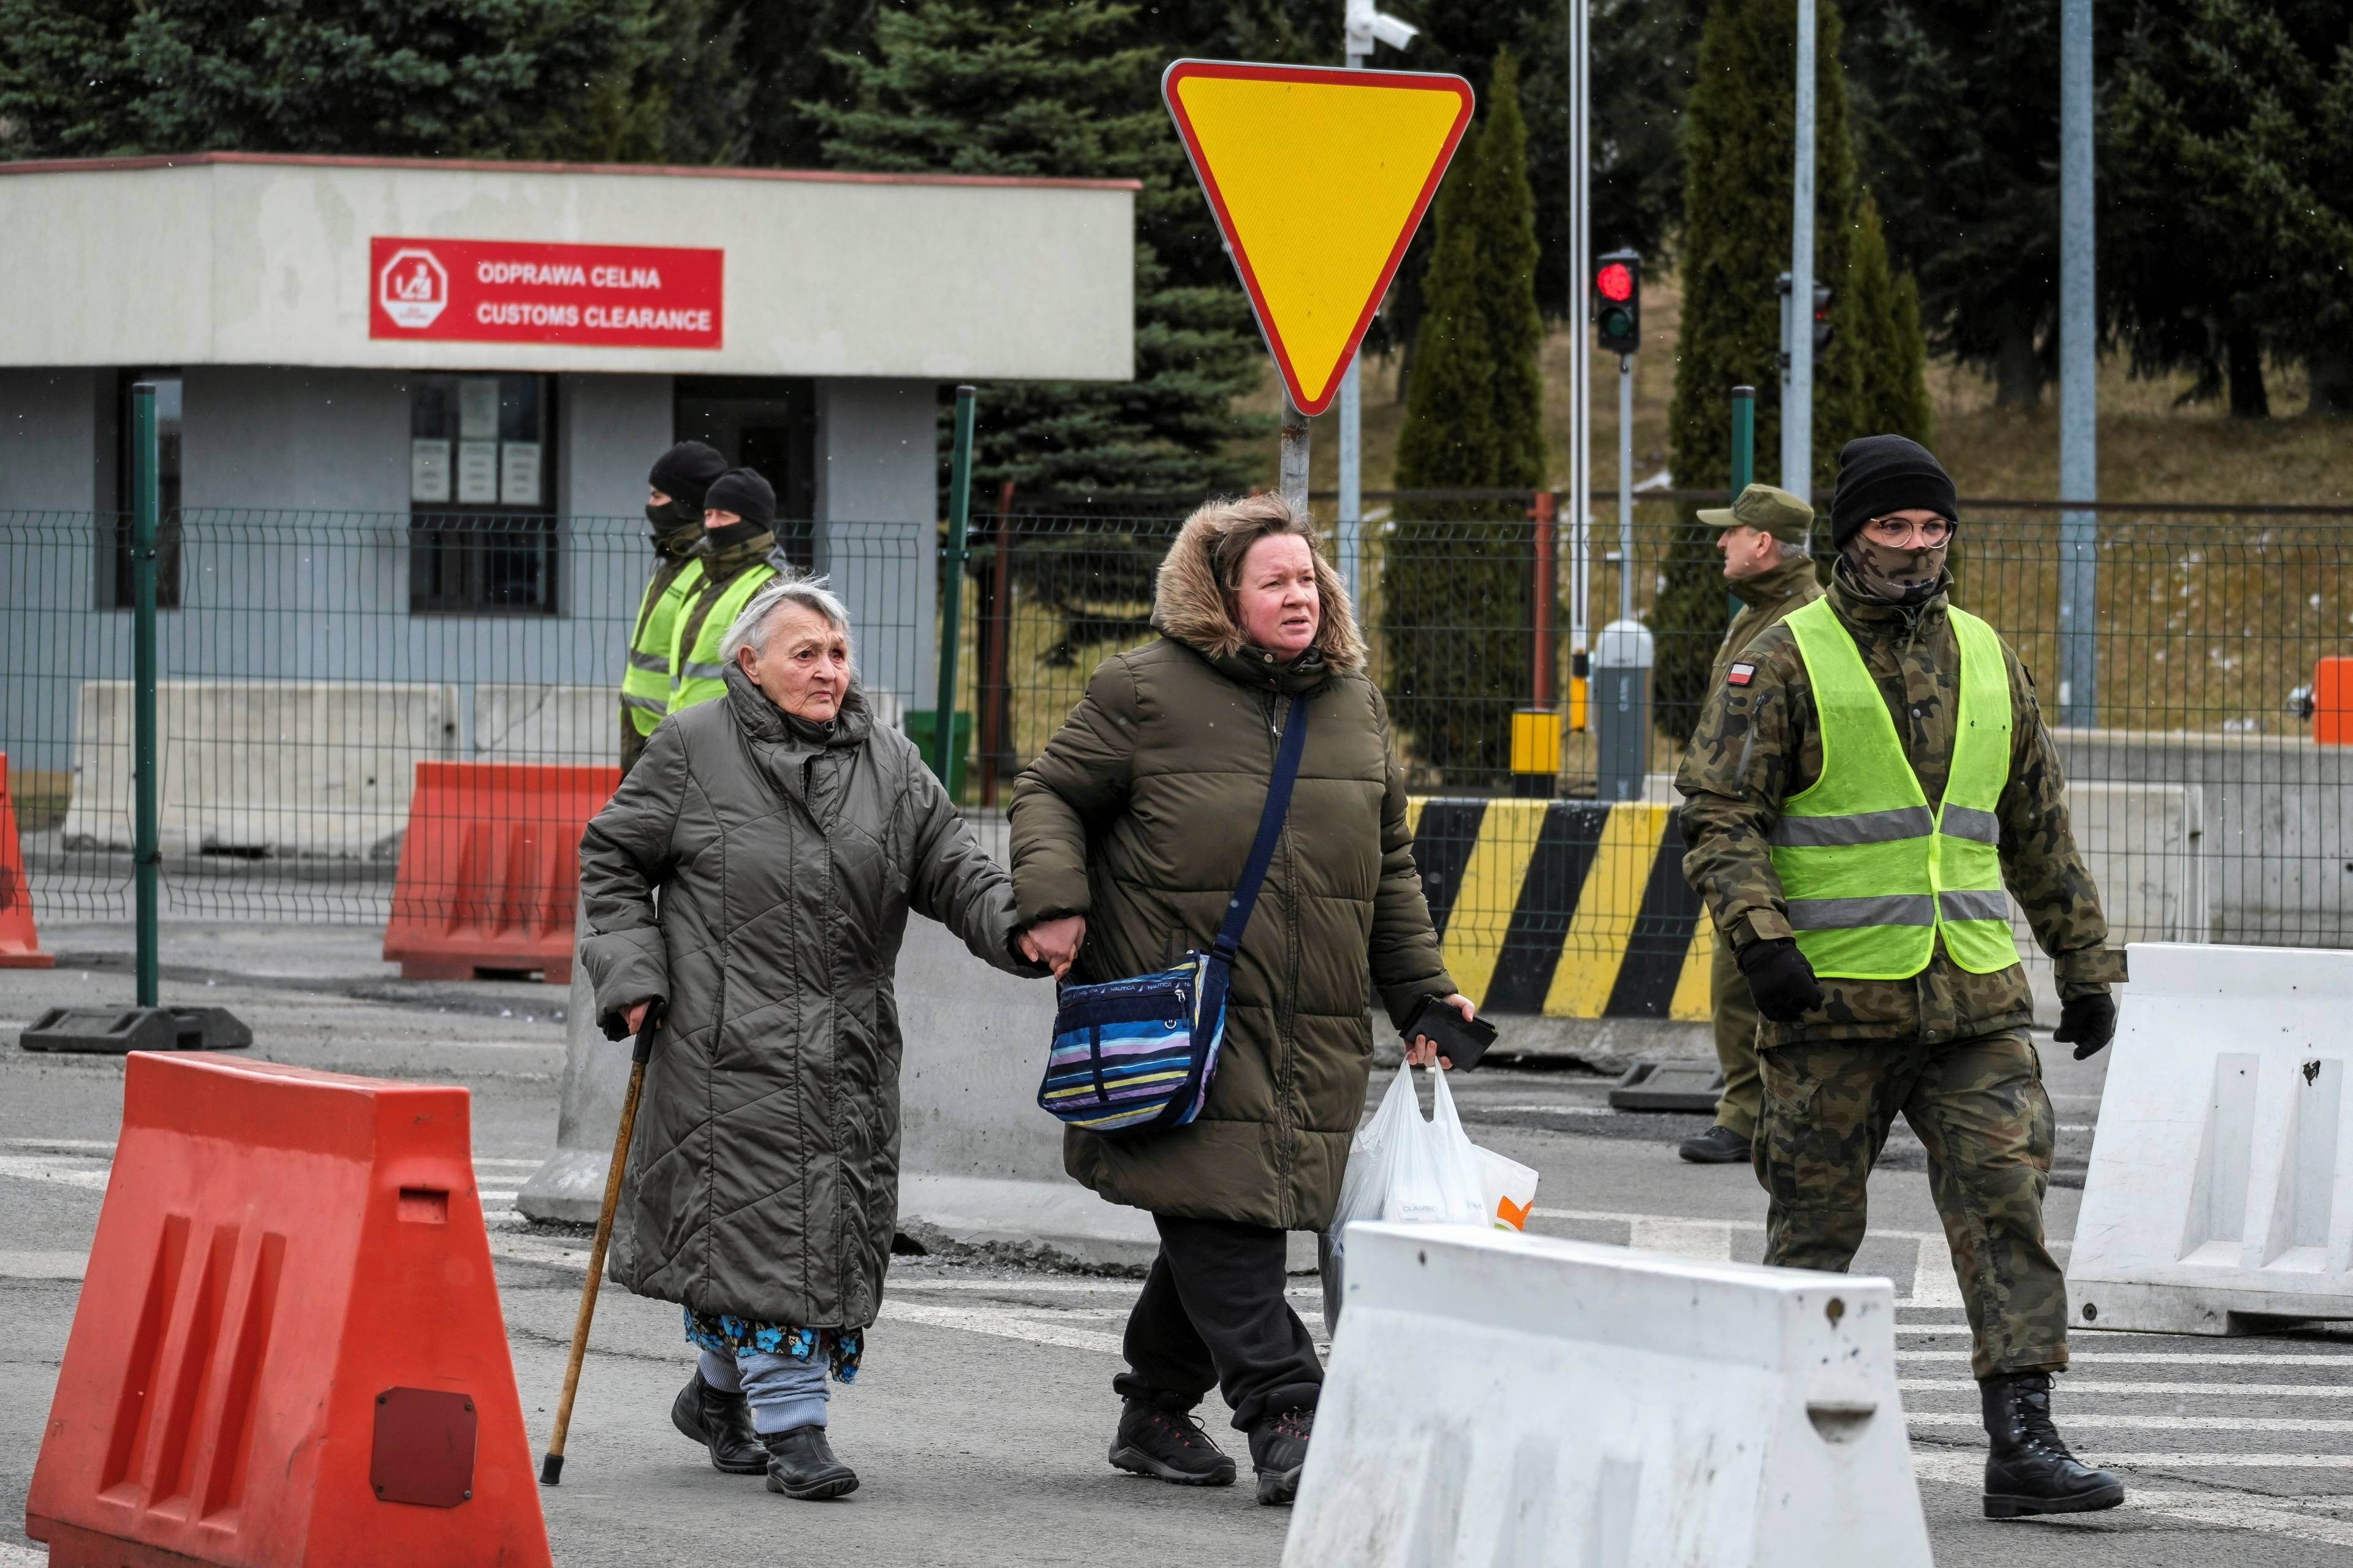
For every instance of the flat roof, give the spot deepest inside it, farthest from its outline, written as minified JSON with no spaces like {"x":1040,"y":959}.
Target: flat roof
{"x":528,"y":166}
{"x":423,"y":264}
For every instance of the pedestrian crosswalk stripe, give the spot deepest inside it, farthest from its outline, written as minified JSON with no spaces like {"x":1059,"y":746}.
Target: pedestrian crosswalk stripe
{"x":2155,"y":1358}
{"x":2120,"y":1421}
{"x":2228,"y":1461}
{"x":2075,"y":1386}
{"x":2214,"y":1509}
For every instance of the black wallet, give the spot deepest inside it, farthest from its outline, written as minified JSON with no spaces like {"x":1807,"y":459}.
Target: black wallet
{"x":1461,"y":1040}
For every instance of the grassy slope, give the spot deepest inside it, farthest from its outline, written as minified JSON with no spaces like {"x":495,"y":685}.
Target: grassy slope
{"x":2149,"y":450}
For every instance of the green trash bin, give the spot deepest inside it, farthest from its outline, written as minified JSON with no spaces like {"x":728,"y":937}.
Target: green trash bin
{"x":923,"y":728}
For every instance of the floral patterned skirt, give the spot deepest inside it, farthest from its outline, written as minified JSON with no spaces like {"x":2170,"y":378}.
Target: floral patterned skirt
{"x":723,"y":1333}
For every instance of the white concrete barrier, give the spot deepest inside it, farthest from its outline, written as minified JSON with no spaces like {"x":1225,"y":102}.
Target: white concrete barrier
{"x":521,"y":724}
{"x":2220,"y":1196}
{"x":1524,"y":1401}
{"x":275,"y":768}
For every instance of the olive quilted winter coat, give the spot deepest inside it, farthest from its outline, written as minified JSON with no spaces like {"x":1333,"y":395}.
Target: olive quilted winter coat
{"x":766,"y":1164}
{"x":1139,"y":815}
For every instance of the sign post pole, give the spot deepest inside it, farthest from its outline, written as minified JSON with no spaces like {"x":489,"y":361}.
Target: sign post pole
{"x":1293,"y":483}
{"x":147,"y":830}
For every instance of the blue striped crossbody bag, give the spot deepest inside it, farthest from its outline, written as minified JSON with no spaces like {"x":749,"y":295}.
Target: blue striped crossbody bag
{"x":1136,"y":1054}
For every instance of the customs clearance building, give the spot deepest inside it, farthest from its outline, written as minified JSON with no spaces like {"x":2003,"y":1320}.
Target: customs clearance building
{"x":407,"y":408}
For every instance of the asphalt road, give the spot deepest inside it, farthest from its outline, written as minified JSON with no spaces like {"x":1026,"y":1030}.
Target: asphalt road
{"x":980,"y":1423}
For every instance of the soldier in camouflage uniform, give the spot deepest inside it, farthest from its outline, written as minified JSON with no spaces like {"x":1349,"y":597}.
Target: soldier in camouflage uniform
{"x":1945,"y":1044}
{"x":1762,"y":537}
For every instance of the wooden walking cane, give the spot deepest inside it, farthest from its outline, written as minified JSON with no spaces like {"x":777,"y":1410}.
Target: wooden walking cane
{"x":551,"y":1470}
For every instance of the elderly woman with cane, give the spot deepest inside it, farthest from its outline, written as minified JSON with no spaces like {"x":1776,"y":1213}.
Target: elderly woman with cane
{"x":1131,"y":833}
{"x":788,"y":835}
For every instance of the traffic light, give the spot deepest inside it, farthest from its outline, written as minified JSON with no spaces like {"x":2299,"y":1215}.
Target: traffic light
{"x":1618,"y":301}
{"x":1822,"y":330}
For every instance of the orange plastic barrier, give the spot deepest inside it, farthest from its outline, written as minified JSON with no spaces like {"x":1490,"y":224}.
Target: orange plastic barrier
{"x":288,"y":1351}
{"x":2332,"y":701}
{"x":20,"y":946}
{"x":490,"y":869}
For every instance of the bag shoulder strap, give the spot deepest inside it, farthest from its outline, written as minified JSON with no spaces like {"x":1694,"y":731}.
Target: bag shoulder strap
{"x":1270,"y":829}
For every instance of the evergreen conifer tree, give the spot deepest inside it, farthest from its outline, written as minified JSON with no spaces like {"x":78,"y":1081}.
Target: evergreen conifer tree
{"x":1894,"y":395}
{"x":1457,"y":579}
{"x":1739,"y":132}
{"x":1059,"y":88}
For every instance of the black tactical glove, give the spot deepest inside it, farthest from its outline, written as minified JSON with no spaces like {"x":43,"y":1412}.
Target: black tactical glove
{"x":2087,"y":1021}
{"x":1780,"y":979}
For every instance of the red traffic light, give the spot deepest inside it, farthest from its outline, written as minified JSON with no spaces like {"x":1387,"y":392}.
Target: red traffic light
{"x":1615,"y":281}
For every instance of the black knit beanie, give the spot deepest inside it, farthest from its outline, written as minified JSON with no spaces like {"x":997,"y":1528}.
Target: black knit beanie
{"x":1881,"y":473}
{"x":684,"y":473}
{"x":743,"y":492}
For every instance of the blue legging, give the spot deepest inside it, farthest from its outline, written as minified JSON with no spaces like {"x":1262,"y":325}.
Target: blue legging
{"x":782,"y":1391}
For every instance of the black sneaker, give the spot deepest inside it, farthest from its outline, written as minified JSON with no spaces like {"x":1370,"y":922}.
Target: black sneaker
{"x":722,"y":1423}
{"x":1719,"y":1145}
{"x":2029,"y":1470}
{"x":1168,"y":1446}
{"x":1279,"y":1450}
{"x":801,"y":1464}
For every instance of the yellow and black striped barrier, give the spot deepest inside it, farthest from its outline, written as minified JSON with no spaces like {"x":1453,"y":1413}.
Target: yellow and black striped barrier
{"x":1569,"y":909}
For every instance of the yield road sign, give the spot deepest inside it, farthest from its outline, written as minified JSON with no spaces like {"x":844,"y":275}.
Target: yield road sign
{"x":1317,"y":178}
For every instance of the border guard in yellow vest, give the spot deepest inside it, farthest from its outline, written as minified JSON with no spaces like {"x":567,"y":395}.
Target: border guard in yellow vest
{"x":1763,"y":537}
{"x":737,"y":554}
{"x":1867,"y":779}
{"x":674,"y":492}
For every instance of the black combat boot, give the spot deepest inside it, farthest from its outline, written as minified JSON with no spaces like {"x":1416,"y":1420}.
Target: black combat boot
{"x":801,"y":1464}
{"x":1279,"y":1450}
{"x":1719,"y":1145}
{"x":2030,"y":1470}
{"x":722,"y":1423}
{"x":1169,"y":1445}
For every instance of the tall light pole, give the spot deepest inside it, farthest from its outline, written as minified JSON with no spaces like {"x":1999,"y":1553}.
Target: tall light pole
{"x":1363,"y":26}
{"x":1798,"y":398}
{"x":1580,"y":359}
{"x":2079,"y":368}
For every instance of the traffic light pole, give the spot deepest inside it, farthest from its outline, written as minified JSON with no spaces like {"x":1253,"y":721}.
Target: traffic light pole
{"x":1625,"y":486}
{"x":1798,"y":402}
{"x":146,"y":857}
{"x":1580,"y":362}
{"x":2079,"y":368}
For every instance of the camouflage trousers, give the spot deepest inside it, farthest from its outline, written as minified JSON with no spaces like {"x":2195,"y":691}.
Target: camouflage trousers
{"x":1978,"y":1106}
{"x":1735,"y":1042}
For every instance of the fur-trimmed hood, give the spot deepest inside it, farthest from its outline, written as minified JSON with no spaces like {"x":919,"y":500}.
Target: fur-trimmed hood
{"x":1188,"y":602}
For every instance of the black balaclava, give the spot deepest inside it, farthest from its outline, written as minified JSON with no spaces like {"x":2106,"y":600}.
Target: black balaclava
{"x":751,"y":498}
{"x":684,"y":474}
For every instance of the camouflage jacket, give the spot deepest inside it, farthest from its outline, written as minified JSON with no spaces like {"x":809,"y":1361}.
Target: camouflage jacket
{"x":1764,"y":600}
{"x":1758,"y":744}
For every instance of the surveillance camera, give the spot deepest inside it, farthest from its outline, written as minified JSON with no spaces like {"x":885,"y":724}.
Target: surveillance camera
{"x":1397,"y":35}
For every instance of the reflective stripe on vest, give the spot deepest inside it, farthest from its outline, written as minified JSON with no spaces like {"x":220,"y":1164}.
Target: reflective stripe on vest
{"x":644,"y":679}
{"x":698,"y":674}
{"x":1872,"y":874}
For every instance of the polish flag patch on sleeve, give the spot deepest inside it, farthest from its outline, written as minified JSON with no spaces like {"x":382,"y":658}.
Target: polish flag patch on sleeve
{"x":1740,"y":674}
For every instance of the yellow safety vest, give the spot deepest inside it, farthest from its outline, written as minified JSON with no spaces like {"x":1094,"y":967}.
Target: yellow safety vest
{"x":645,"y":681}
{"x":697,"y":674}
{"x":1872,"y":876}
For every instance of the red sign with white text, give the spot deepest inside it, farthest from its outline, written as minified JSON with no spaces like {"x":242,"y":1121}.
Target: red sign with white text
{"x":518,"y":292}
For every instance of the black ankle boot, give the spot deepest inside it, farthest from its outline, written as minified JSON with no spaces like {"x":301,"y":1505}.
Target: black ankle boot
{"x":801,"y":1464}
{"x":1168,"y":1446}
{"x":722,"y":1423}
{"x":2030,"y":1469}
{"x":1279,"y":1451}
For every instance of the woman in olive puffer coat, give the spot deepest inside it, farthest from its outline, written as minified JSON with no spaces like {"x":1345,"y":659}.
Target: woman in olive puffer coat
{"x":1130,"y":832}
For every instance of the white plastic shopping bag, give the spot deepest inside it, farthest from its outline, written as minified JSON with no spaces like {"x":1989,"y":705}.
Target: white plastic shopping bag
{"x":1408,"y":1170}
{"x":1508,"y":1188}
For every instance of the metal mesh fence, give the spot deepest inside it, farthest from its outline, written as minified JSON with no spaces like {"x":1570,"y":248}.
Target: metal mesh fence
{"x":306,"y":677}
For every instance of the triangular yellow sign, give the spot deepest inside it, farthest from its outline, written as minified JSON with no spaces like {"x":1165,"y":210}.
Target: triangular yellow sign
{"x":1317,"y":177}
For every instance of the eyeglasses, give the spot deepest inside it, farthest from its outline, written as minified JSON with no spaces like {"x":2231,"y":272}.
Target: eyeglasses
{"x":1901,"y":531}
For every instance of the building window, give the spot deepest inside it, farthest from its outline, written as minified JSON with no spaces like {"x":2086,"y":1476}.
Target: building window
{"x":764,"y":423}
{"x":481,"y":495}
{"x":167,"y":493}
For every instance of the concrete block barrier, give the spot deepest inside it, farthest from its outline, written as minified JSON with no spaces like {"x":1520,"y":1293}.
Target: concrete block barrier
{"x":2219,"y":1194}
{"x":521,"y":724}
{"x":261,"y":769}
{"x":1518,"y":1401}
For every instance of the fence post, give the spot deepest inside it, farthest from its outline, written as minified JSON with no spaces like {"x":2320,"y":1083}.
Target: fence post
{"x":147,"y":834}
{"x":951,"y":612}
{"x":1744,"y":462}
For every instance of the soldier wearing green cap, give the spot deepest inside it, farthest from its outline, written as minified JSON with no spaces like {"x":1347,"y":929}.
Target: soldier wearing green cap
{"x":1762,"y":537}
